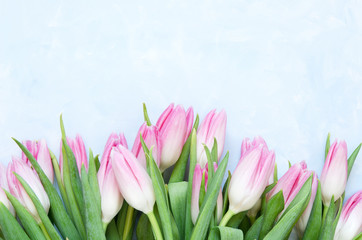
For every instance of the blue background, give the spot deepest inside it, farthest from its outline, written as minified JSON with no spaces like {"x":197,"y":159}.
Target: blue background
{"x":290,"y":71}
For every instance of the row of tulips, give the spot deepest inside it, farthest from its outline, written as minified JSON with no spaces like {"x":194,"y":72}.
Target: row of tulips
{"x":142,"y":193}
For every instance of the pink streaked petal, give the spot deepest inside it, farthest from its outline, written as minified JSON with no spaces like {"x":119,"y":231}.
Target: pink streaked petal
{"x":161,"y":120}
{"x":204,"y":128}
{"x":196,"y":184}
{"x":189,"y":121}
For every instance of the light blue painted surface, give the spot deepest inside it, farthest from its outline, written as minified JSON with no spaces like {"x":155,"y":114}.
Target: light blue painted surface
{"x":290,"y":71}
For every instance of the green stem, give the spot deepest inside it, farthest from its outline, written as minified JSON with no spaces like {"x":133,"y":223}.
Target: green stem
{"x":128,"y":223}
{"x":105,"y":225}
{"x":325,"y":210}
{"x":145,"y":114}
{"x":226,"y":218}
{"x":45,"y":232}
{"x":155,"y":227}
{"x":252,"y":219}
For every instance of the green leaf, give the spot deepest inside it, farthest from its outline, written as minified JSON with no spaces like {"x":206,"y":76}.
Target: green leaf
{"x":358,"y":237}
{"x":226,"y":194}
{"x":177,"y":193}
{"x":208,"y":206}
{"x":61,"y":218}
{"x":145,"y":114}
{"x":76,"y":184}
{"x":39,"y":207}
{"x":315,"y":219}
{"x":112,"y":232}
{"x":9,"y":226}
{"x":161,"y":196}
{"x":96,"y":161}
{"x":179,"y":170}
{"x":193,"y":157}
{"x":292,"y":213}
{"x":210,"y":163}
{"x":144,"y":229}
{"x":327,"y":225}
{"x":77,"y":216}
{"x":273,"y":208}
{"x":225,"y":233}
{"x":235,"y":220}
{"x":30,"y":225}
{"x":58,"y":176}
{"x":255,"y":229}
{"x":214,"y":155}
{"x":275,"y":177}
{"x":328,"y":144}
{"x":93,"y":180}
{"x":352,"y":158}
{"x":202,"y":189}
{"x":93,"y":218}
{"x":121,"y":218}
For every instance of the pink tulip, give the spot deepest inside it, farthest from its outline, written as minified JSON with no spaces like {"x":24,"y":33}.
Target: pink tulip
{"x":174,"y":127}
{"x":150,"y":135}
{"x":39,"y":150}
{"x":291,"y":182}
{"x":111,"y":197}
{"x":334,"y":173}
{"x":303,"y":220}
{"x":16,"y":189}
{"x":350,"y":222}
{"x":4,"y":185}
{"x":133,"y":180}
{"x":78,"y":149}
{"x":199,"y":175}
{"x":250,"y":176}
{"x":213,"y":126}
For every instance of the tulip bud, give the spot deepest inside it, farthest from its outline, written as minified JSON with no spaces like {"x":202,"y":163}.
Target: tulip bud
{"x":334,"y":173}
{"x":199,"y":176}
{"x":291,"y":182}
{"x":350,"y":222}
{"x":151,"y":137}
{"x":78,"y":149}
{"x":4,"y":185}
{"x":19,"y":192}
{"x":303,"y":220}
{"x":111,"y":197}
{"x":250,"y":177}
{"x":174,"y":128}
{"x":133,"y":181}
{"x":213,"y":126}
{"x":39,"y":150}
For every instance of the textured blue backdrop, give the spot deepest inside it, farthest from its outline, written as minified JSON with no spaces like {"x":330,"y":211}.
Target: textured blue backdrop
{"x":289,"y":71}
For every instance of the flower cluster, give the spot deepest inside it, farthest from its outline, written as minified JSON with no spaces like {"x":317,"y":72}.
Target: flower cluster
{"x":170,"y":185}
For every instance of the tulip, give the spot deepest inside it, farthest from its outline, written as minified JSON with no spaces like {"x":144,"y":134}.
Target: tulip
{"x":199,"y":175}
{"x":78,"y":149}
{"x":133,"y":181}
{"x":19,"y":192}
{"x":111,"y":197}
{"x":350,"y":222}
{"x":291,"y":182}
{"x":4,"y":185}
{"x":249,"y":179}
{"x":213,"y":126}
{"x":252,"y":174}
{"x":303,"y":220}
{"x":39,"y":150}
{"x":151,"y":137}
{"x":174,"y":127}
{"x":334,"y":173}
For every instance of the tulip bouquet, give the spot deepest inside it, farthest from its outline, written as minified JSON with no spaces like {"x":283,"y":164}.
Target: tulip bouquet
{"x":170,"y":185}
